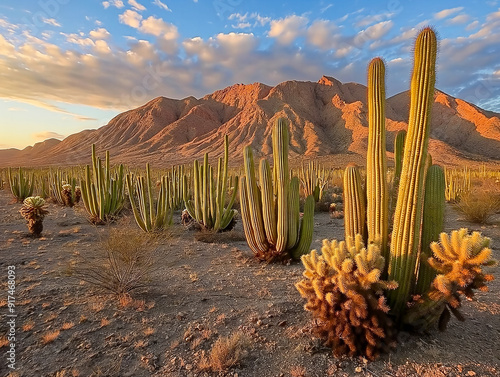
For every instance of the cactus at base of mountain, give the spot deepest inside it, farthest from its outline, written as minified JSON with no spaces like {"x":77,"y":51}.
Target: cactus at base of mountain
{"x":354,"y":203}
{"x":270,"y":214}
{"x":21,"y":184}
{"x":345,"y":294}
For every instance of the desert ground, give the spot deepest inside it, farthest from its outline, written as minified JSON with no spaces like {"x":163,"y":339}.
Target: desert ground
{"x":201,"y":289}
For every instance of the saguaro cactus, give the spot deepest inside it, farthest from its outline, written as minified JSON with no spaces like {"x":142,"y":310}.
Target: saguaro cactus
{"x":272,"y":226}
{"x":21,"y":186}
{"x":408,"y":215}
{"x":354,"y":204}
{"x":377,"y":211}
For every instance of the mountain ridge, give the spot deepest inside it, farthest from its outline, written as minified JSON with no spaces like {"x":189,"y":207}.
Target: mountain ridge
{"x":328,"y":118}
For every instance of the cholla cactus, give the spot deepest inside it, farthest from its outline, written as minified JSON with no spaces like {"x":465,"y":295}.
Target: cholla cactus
{"x":34,"y":211}
{"x":66,"y":194}
{"x":346,"y":296}
{"x":458,"y":259}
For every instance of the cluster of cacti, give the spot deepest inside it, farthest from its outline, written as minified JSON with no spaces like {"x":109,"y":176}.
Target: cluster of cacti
{"x":150,"y":216}
{"x":63,"y":189}
{"x":102,"y":191}
{"x":425,"y":286}
{"x":313,"y":180}
{"x":270,"y":214}
{"x":458,"y":183}
{"x":175,"y":181}
{"x":458,"y":259}
{"x":34,"y":211}
{"x":345,"y":293}
{"x":209,"y":194}
{"x":21,"y":184}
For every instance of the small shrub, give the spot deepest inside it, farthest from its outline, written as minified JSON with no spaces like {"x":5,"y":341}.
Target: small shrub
{"x":480,"y":203}
{"x":123,"y":265}
{"x":226,"y":352}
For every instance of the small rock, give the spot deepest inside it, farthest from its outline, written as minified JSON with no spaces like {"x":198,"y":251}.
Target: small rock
{"x":471,"y":373}
{"x":358,"y":369}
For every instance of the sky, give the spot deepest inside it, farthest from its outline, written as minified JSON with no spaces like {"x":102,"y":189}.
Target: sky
{"x":70,"y":65}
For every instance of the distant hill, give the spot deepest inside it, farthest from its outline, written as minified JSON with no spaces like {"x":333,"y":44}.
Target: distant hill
{"x":328,"y":121}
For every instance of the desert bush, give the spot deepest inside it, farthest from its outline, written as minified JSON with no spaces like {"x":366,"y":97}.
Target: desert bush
{"x":123,"y":264}
{"x":225,"y":353}
{"x":480,"y":203}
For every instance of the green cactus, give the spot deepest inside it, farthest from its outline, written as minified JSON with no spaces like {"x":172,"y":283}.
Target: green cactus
{"x":148,"y":216}
{"x":21,"y":185}
{"x":270,"y":215}
{"x":432,"y":224}
{"x":102,"y":192}
{"x":408,"y":214}
{"x":208,"y":204}
{"x":354,"y":203}
{"x":377,"y":204}
{"x":399,"y":145}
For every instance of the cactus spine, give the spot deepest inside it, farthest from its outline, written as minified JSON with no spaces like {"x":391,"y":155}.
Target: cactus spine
{"x":207,"y":206}
{"x":354,"y":203}
{"x":376,"y":170}
{"x":408,"y":215}
{"x":272,"y":226}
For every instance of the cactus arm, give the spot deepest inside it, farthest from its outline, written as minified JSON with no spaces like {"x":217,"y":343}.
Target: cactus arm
{"x":306,"y":229}
{"x":246,"y":219}
{"x":376,"y":170}
{"x":280,"y":154}
{"x":135,"y":211}
{"x":408,"y":214}
{"x":268,"y":207}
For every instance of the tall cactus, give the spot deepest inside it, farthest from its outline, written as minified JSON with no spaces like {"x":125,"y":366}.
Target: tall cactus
{"x":272,"y":226}
{"x":21,"y":184}
{"x":399,"y":145}
{"x":377,"y":211}
{"x":354,"y":204}
{"x":408,"y":215}
{"x":208,"y":204}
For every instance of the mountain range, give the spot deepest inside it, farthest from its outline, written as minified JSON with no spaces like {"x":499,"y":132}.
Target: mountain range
{"x":328,"y":122}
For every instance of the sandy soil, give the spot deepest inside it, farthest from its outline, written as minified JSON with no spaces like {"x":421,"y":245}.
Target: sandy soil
{"x":200,"y":292}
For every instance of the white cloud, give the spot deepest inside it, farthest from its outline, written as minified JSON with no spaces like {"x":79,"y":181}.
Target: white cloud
{"x":248,"y":20}
{"x":457,"y":20}
{"x":324,"y":35}
{"x":163,"y":6}
{"x":286,"y":30}
{"x":157,"y":27}
{"x":373,"y":33}
{"x":100,"y":33}
{"x":130,"y":18}
{"x":447,"y":12}
{"x":113,"y":3}
{"x":135,"y":5}
{"x":51,"y":21}
{"x":472,"y":25}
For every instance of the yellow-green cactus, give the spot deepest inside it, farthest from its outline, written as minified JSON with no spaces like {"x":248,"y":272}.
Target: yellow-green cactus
{"x":345,"y":295}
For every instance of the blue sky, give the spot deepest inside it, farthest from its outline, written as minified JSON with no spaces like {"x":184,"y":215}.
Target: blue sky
{"x":69,"y":65}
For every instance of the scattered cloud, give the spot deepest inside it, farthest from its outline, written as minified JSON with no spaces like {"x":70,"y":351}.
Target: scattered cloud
{"x":163,"y":6}
{"x":44,"y":135}
{"x":248,"y":20}
{"x":51,"y":21}
{"x":287,"y":30}
{"x":447,"y":12}
{"x":457,"y":20}
{"x":100,"y":33}
{"x":113,"y":3}
{"x":130,"y":18}
{"x":472,"y":25}
{"x":135,"y":5}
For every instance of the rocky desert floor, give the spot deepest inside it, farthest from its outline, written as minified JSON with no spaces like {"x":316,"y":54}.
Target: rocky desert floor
{"x":200,"y":292}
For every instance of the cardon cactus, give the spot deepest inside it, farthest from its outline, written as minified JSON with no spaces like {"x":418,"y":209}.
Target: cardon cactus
{"x":34,"y":211}
{"x":208,"y":204}
{"x":270,"y":214}
{"x":345,"y":294}
{"x":377,"y":203}
{"x":21,"y":184}
{"x":354,"y":203}
{"x":459,"y":260}
{"x":405,"y":240}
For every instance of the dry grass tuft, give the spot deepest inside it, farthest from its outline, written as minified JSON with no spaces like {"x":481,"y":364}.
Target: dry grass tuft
{"x":124,"y":263}
{"x":225,"y":353}
{"x":481,"y":202}
{"x":4,"y":341}
{"x":67,"y":325}
{"x":298,"y":371}
{"x":149,"y":331}
{"x":50,"y":336}
{"x":28,"y":326}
